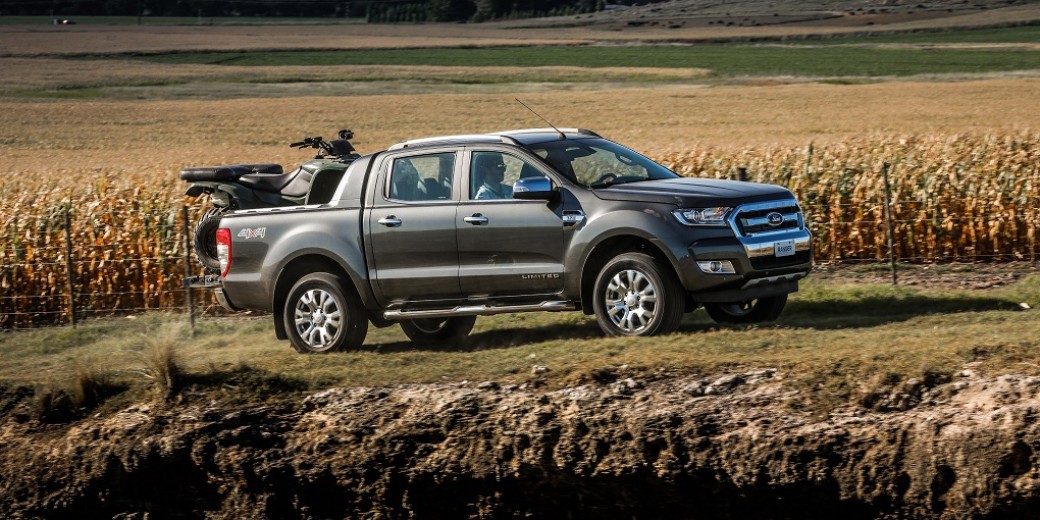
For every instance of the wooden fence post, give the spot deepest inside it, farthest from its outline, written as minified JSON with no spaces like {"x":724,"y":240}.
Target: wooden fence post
{"x":888,"y":223}
{"x":68,"y":267}
{"x":187,"y":270}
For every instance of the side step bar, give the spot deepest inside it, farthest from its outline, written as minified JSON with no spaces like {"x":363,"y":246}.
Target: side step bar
{"x":477,"y":310}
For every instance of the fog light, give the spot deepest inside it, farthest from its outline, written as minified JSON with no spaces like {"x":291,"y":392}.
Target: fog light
{"x":716,"y":266}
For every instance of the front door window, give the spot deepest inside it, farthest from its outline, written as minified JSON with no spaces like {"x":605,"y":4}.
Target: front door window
{"x":492,"y":175}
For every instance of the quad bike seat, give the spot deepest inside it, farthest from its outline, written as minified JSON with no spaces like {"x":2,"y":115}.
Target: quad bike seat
{"x":230,"y":172}
{"x":284,"y":183}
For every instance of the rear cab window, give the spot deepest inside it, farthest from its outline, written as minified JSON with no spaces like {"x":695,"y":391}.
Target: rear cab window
{"x":419,"y":178}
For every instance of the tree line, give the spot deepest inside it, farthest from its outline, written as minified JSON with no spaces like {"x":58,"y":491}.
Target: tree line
{"x":380,"y":11}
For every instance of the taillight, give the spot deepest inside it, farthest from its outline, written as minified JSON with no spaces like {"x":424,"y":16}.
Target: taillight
{"x":224,"y":250}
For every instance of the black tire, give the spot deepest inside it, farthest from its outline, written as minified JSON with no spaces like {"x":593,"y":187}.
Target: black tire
{"x":205,"y":239}
{"x":751,"y":311}
{"x":438,"y":331}
{"x":636,"y":295}
{"x":320,"y":316}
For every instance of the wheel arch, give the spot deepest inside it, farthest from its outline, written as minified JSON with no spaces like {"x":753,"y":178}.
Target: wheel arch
{"x":296,"y":269}
{"x":609,"y":248}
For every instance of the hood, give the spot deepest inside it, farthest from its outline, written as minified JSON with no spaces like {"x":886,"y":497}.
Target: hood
{"x":694,"y":193}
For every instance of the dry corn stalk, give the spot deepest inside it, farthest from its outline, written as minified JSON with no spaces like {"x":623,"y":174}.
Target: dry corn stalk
{"x":955,"y":198}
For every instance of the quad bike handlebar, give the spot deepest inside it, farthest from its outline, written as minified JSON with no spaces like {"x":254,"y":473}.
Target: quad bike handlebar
{"x":340,"y":148}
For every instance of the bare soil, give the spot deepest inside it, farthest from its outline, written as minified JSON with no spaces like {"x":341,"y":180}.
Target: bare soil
{"x":732,"y":445}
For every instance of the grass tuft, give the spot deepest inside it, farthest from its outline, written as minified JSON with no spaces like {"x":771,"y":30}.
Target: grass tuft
{"x":91,"y":386}
{"x":161,"y":361}
{"x":88,"y":388}
{"x":52,"y":404}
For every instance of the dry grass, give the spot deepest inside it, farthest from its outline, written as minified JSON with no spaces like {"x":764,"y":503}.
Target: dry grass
{"x":89,"y":387}
{"x":605,"y":27}
{"x":162,"y":363}
{"x":64,"y":142}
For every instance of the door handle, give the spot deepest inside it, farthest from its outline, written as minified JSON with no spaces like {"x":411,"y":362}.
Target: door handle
{"x":476,"y":220}
{"x":390,"y":221}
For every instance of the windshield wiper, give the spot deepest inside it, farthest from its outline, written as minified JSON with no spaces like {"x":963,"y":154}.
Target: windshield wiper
{"x":614,"y":182}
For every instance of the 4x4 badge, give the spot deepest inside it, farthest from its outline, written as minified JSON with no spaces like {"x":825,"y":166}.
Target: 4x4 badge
{"x":774,"y":219}
{"x":247,"y":233}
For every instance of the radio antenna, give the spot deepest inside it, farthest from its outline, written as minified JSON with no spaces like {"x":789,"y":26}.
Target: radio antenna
{"x":562,"y":136}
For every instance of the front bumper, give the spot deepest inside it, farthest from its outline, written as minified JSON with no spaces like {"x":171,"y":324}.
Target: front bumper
{"x":758,"y":271}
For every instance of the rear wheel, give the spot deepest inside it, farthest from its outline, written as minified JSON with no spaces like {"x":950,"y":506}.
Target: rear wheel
{"x":320,"y":316}
{"x":750,"y":311}
{"x":205,"y":241}
{"x":438,"y":330}
{"x":635,"y":295}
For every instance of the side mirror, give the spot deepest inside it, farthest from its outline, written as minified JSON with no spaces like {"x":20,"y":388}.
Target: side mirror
{"x":535,"y":188}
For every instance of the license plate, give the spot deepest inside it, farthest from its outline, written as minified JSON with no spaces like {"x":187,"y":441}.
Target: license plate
{"x":783,"y":248}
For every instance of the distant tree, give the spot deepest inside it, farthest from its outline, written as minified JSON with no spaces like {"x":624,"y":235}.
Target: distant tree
{"x":491,"y":9}
{"x":119,"y":7}
{"x":450,"y":10}
{"x":373,"y":10}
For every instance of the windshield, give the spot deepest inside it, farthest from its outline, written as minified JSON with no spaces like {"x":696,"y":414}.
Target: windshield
{"x":598,"y":163}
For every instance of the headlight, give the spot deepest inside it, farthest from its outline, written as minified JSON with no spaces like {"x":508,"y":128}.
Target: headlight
{"x":702,"y":216}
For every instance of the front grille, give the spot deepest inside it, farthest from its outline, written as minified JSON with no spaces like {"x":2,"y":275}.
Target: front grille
{"x":754,"y":220}
{"x":774,"y":262}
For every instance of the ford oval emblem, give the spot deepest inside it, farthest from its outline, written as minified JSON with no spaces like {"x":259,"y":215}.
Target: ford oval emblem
{"x":774,"y":219}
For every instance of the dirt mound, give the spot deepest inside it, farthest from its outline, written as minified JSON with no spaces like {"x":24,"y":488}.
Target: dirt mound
{"x":726,"y":446}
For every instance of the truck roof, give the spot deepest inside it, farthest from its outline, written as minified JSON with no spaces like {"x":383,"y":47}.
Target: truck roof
{"x":524,"y":136}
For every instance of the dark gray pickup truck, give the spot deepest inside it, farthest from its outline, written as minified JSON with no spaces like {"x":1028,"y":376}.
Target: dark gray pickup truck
{"x":434,"y":232}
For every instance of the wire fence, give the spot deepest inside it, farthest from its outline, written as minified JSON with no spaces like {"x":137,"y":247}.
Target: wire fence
{"x":100,"y":269}
{"x":58,"y":267}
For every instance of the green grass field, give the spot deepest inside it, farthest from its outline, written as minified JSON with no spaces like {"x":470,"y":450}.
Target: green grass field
{"x":1020,"y":34}
{"x":727,"y":60}
{"x":836,"y":342}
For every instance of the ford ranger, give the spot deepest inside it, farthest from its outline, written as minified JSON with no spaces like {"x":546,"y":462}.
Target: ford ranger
{"x":434,"y":232}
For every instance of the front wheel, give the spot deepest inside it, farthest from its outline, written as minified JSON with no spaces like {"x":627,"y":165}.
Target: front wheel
{"x":637,"y":295}
{"x":750,"y":311}
{"x":320,"y":316}
{"x":438,"y":330}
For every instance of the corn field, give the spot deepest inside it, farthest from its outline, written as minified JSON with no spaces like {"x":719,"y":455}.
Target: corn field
{"x":955,"y":198}
{"x":127,"y":253}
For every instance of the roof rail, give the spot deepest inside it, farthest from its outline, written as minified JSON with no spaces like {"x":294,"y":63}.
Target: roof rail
{"x":504,"y":136}
{"x":579,"y":131}
{"x":447,"y":139}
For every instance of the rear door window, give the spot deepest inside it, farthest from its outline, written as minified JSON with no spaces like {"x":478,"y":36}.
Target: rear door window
{"x":426,"y":177}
